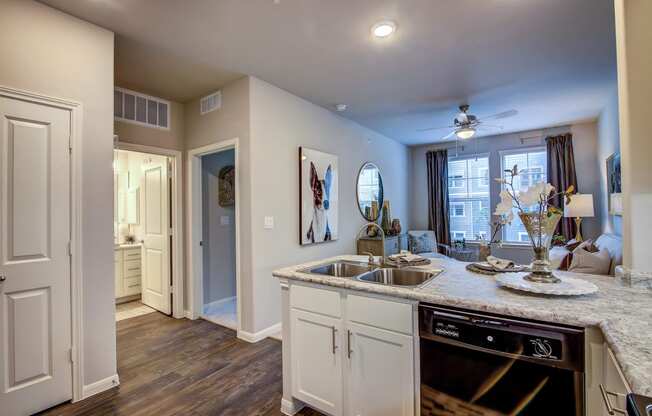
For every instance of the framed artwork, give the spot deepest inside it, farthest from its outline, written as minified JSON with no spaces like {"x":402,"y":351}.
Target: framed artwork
{"x":226,"y":183}
{"x":318,"y":196}
{"x":614,"y":185}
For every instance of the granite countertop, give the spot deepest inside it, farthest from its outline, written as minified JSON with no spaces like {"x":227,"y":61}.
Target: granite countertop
{"x":127,"y":245}
{"x":624,"y":314}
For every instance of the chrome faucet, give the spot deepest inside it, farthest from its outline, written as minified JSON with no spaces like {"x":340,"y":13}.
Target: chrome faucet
{"x":371,"y":259}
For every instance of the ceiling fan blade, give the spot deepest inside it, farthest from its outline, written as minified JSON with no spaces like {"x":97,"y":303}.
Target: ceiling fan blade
{"x":486,"y":126}
{"x":436,"y":128}
{"x":497,"y":116}
{"x":448,"y":136}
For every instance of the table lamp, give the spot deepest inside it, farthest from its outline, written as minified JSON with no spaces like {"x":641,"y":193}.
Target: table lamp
{"x":580,"y":206}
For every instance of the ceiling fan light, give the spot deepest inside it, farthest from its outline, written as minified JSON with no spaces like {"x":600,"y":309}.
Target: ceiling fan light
{"x":465,"y":133}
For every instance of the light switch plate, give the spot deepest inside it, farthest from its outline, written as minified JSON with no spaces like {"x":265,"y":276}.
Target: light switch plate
{"x":269,"y":223}
{"x":225,"y":220}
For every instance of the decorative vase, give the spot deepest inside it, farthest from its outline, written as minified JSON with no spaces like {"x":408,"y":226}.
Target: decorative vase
{"x":484,"y":251}
{"x":385,"y":221}
{"x":540,"y":229}
{"x":396,"y":226}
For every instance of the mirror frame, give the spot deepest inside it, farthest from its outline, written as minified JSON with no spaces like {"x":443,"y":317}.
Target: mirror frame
{"x":382,"y":193}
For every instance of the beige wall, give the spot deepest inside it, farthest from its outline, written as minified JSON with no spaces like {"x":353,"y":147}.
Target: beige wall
{"x":585,"y":139}
{"x":633,"y":39}
{"x":280,"y":123}
{"x":229,"y":122}
{"x":608,"y":144}
{"x":52,"y":53}
{"x":149,"y":136}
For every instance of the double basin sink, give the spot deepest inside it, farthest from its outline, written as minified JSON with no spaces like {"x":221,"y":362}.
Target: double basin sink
{"x":373,"y":274}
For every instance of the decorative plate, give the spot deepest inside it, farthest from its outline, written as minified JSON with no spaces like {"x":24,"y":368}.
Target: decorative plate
{"x":569,"y":286}
{"x":423,"y":262}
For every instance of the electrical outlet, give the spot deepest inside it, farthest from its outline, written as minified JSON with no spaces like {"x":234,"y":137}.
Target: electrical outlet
{"x":225,"y":220}
{"x":269,"y":223}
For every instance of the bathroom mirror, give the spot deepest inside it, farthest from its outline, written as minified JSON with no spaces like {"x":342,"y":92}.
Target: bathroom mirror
{"x":370,"y":191}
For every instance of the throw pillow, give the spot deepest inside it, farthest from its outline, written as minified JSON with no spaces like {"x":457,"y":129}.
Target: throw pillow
{"x":421,"y":244}
{"x":586,"y":261}
{"x":571,"y":245}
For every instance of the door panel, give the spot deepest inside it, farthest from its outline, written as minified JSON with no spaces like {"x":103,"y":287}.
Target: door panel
{"x":317,"y":366}
{"x":381,"y":372}
{"x":28,"y":190}
{"x":156,"y":250}
{"x":35,"y":319}
{"x":28,"y":351}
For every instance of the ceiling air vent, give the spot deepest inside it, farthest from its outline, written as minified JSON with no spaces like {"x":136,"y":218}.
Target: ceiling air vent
{"x":134,"y":107}
{"x":210,"y":103}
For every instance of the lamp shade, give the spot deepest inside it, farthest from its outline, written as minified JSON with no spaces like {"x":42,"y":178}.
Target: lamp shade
{"x":581,"y":205}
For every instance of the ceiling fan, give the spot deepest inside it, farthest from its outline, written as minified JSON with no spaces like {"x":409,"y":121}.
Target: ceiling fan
{"x":465,"y":125}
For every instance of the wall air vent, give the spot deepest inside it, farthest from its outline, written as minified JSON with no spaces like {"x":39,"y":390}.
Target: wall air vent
{"x":210,"y":103}
{"x":134,"y":107}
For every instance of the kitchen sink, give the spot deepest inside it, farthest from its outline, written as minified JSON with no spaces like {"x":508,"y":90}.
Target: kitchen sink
{"x":398,"y":277}
{"x":340,"y":269}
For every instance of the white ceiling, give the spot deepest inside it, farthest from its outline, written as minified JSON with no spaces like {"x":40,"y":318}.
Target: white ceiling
{"x":552,"y":60}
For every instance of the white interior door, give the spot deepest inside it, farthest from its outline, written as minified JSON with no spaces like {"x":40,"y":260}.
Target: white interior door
{"x":156,"y":238}
{"x":35,"y":319}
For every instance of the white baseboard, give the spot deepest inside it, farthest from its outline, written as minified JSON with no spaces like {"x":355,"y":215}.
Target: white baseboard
{"x":260,"y":335}
{"x":99,"y":386}
{"x":188,"y":314}
{"x":291,"y":408}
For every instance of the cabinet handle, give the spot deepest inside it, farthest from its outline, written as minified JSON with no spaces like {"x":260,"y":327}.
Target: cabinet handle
{"x":134,"y":285}
{"x":348,"y":343}
{"x":605,"y":396}
{"x":333,"y":330}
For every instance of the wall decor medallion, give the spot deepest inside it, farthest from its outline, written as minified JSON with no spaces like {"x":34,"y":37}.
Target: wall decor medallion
{"x":226,"y":184}
{"x":318,"y":196}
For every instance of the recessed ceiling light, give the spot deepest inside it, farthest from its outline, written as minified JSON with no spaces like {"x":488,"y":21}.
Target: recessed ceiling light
{"x":340,"y":107}
{"x":383,"y":29}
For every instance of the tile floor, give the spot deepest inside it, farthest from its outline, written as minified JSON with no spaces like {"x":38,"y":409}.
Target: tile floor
{"x":131,"y":310}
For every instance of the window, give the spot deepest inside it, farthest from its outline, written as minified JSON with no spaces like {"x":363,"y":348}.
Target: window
{"x":468,"y":194}
{"x":532,"y":170}
{"x":457,"y":209}
{"x":484,"y":176}
{"x":459,"y":235}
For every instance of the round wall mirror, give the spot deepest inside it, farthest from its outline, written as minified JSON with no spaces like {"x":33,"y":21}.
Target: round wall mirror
{"x":370,"y":191}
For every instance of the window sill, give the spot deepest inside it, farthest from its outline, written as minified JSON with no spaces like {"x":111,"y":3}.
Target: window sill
{"x":523,"y":246}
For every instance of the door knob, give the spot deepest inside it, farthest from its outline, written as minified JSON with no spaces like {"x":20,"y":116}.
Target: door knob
{"x":2,"y":278}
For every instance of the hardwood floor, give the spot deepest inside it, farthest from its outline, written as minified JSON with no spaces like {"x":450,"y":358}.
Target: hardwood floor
{"x":180,"y":367}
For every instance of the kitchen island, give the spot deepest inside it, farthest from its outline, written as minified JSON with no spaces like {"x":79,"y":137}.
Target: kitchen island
{"x":619,"y":315}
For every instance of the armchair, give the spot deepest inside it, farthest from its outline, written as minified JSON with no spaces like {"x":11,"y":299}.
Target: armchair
{"x":424,"y":243}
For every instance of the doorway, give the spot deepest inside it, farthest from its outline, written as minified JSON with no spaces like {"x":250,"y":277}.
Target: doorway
{"x":218,"y":238}
{"x":214,"y":265}
{"x":146,"y":226}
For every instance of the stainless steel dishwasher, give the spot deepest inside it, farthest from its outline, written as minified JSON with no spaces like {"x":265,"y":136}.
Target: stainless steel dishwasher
{"x":484,"y":364}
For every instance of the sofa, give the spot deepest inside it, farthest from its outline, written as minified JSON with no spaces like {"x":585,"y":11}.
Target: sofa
{"x":612,"y":243}
{"x":424,"y":243}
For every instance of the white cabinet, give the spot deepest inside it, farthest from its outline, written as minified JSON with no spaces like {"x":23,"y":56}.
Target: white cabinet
{"x":317,"y":369}
{"x":351,"y":354}
{"x":127,"y":271}
{"x":380,"y":372}
{"x":615,"y":388}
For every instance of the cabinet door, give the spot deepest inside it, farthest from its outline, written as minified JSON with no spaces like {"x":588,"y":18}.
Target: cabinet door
{"x":316,"y":361}
{"x":614,"y":384}
{"x":118,"y":277}
{"x":380,"y":370}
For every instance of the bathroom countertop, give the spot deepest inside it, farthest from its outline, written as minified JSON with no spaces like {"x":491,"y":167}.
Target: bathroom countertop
{"x":127,"y":245}
{"x":624,"y":314}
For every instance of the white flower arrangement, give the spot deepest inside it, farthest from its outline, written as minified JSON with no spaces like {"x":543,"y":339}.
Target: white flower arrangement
{"x":535,"y":200}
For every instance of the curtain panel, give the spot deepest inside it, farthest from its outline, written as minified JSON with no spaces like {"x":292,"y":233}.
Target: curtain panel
{"x":561,"y":175}
{"x":437,"y":163}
